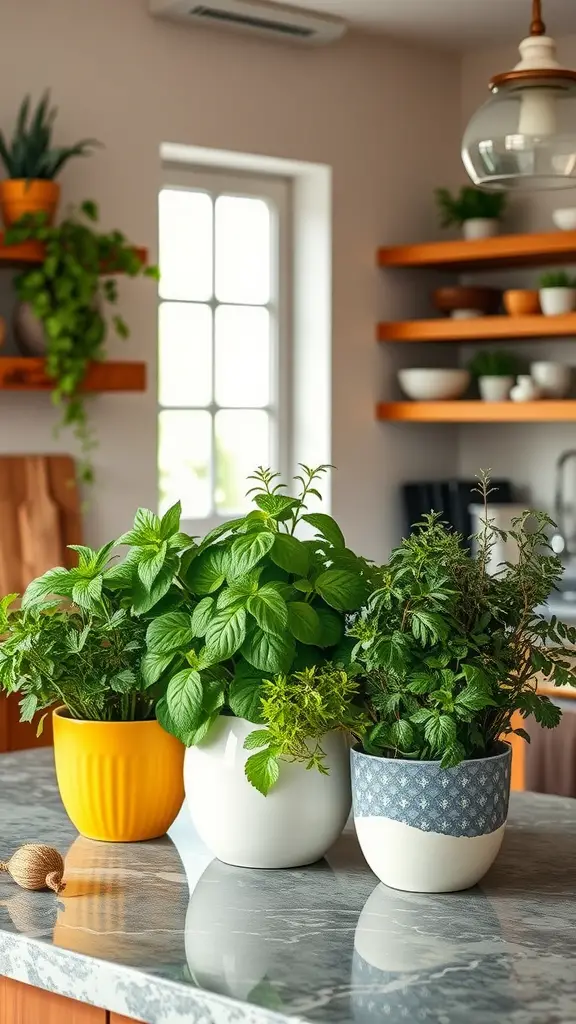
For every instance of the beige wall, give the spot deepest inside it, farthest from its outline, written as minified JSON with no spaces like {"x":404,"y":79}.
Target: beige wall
{"x":384,"y":117}
{"x":524,"y":452}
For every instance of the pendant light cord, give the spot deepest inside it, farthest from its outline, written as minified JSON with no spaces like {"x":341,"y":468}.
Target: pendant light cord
{"x":537,"y":27}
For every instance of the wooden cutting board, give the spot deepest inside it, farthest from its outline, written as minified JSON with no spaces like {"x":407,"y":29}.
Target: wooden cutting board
{"x":39,"y":517}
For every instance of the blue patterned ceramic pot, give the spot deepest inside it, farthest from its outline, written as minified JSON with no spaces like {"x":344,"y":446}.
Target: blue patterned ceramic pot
{"x":423,"y":828}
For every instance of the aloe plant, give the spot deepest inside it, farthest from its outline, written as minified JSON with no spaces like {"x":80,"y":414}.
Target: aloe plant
{"x":30,"y":154}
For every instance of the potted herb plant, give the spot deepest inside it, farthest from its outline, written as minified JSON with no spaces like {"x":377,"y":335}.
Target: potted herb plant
{"x":477,"y":212}
{"x":495,"y":372}
{"x":260,"y":643}
{"x":32,"y":162}
{"x":557,"y":293}
{"x":79,"y":642}
{"x":62,"y":305}
{"x":450,"y":654}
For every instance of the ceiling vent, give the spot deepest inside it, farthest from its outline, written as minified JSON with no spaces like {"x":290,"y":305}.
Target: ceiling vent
{"x":274,"y":21}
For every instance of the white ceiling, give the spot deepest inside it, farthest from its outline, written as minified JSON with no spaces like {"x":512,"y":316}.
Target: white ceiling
{"x":452,"y":24}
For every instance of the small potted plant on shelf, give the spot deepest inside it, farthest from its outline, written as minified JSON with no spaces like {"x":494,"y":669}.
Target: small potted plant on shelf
{"x":477,"y":212}
{"x":450,"y":654}
{"x":79,"y":642}
{"x":61,"y":313}
{"x":557,"y":293}
{"x":259,"y":643}
{"x":32,"y":163}
{"x":496,"y":372}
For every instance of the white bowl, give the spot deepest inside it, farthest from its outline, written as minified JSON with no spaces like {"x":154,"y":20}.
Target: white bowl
{"x":433,"y":385}
{"x":565,"y":219}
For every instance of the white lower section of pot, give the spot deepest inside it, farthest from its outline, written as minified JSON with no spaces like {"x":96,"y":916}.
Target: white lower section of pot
{"x":408,"y":858}
{"x":296,"y":824}
{"x":480,"y":227}
{"x":495,"y":389}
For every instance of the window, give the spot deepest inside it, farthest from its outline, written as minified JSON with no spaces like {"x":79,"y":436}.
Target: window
{"x":222,"y":347}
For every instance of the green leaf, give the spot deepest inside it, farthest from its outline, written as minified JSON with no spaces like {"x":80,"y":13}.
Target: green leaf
{"x":304,"y":623}
{"x":121,"y":575}
{"x":258,"y":738}
{"x":208,"y":571}
{"x":290,"y":554}
{"x":401,"y":734}
{"x":219,"y":531}
{"x":262,"y":770}
{"x":268,"y":651}
{"x":247,"y":551}
{"x":123,"y":682}
{"x":153,"y":665}
{"x":244,"y":698}
{"x":87,"y":593}
{"x":341,"y":589}
{"x":475,"y":698}
{"x":28,"y":707}
{"x":226,"y":633}
{"x":269,"y":609}
{"x":170,"y":522}
{"x":331,"y":627}
{"x":56,"y":581}
{"x":144,"y":599}
{"x":146,"y":529}
{"x":276,"y":505}
{"x":440,"y":732}
{"x":150,"y":564}
{"x":169,"y":633}
{"x":304,"y":586}
{"x":422,"y":682}
{"x":327,"y":526}
{"x":202,"y":615}
{"x":184,"y":703}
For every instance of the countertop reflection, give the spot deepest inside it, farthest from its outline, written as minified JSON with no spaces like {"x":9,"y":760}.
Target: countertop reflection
{"x":161,"y":932}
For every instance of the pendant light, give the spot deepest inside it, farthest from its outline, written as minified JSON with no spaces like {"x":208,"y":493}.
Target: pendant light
{"x":524,"y":137}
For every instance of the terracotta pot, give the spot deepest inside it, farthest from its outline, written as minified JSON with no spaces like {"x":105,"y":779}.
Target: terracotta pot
{"x":19,"y":196}
{"x":120,"y":782}
{"x":522,"y":302}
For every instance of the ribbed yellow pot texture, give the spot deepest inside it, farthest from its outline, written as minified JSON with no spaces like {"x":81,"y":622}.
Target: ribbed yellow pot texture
{"x":120,"y":782}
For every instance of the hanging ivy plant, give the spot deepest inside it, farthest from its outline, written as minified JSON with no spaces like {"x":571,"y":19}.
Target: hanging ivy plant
{"x":69,"y":293}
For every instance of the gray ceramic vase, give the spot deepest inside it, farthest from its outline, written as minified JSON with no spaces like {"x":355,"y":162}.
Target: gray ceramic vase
{"x":423,"y":828}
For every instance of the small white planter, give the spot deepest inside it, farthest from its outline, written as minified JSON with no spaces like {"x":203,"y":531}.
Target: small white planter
{"x":423,"y":828}
{"x":556,"y":301}
{"x":525,"y":389}
{"x":552,"y":379}
{"x":297,"y":822}
{"x":480,"y":227}
{"x":495,"y":389}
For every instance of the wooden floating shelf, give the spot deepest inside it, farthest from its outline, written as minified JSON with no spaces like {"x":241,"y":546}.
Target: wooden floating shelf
{"x":478,"y":412}
{"x":26,"y":374}
{"x":551,"y":249}
{"x":33,"y":252}
{"x":482,"y":328}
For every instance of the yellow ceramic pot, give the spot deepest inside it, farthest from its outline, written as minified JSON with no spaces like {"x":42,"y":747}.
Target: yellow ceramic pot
{"x":120,"y":782}
{"x":19,"y":196}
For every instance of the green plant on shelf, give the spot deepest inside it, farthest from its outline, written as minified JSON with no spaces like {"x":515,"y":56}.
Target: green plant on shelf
{"x":557,"y":279}
{"x":68,"y":293}
{"x":468,"y":204}
{"x":495,"y":363}
{"x":30,"y":154}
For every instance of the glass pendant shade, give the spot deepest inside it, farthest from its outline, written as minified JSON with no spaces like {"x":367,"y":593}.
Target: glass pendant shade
{"x":524,"y":137}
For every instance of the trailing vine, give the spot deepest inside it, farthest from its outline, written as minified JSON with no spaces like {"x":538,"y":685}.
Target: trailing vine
{"x":68,"y":293}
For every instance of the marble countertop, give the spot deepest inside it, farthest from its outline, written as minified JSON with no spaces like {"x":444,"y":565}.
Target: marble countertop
{"x":160,"y":932}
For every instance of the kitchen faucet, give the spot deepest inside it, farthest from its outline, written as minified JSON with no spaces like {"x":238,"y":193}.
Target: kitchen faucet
{"x":564,"y":539}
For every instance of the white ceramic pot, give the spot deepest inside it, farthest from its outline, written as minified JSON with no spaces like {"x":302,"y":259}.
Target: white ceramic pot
{"x":495,"y":389}
{"x":296,"y":824}
{"x":423,"y":828}
{"x":565,"y":219}
{"x":525,"y":389}
{"x":552,"y":379}
{"x":480,"y":227}
{"x":430,"y":385}
{"x":556,"y":301}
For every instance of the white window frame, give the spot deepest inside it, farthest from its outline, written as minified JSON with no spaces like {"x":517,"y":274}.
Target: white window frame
{"x":276,"y":192}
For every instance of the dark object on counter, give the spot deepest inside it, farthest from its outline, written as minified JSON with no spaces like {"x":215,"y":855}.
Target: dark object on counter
{"x":450,"y":497}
